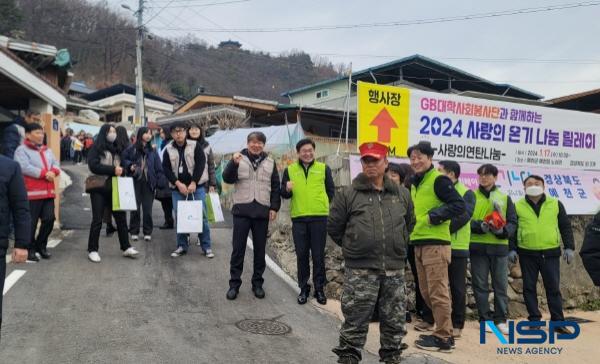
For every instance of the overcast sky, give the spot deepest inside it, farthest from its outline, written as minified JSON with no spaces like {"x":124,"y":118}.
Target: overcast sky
{"x":568,"y":35}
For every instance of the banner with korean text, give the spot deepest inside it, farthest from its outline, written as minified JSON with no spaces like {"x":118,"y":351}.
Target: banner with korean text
{"x":478,"y":130}
{"x":578,"y":190}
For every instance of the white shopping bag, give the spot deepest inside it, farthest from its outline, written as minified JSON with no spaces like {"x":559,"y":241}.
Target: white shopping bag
{"x":123,"y":194}
{"x":189,"y":216}
{"x":215,"y":213}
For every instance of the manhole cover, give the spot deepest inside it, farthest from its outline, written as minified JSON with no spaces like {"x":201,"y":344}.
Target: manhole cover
{"x":263,"y":327}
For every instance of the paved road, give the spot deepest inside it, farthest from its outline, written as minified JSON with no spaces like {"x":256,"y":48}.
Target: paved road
{"x":155,"y":309}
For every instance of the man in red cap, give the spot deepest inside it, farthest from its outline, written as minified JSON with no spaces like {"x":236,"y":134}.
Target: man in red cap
{"x":369,"y":220}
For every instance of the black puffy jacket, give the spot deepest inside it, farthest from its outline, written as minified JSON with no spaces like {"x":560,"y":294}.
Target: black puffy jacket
{"x":13,"y":206}
{"x":590,"y":250}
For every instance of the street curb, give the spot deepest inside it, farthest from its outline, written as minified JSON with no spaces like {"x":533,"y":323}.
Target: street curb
{"x":279,"y":272}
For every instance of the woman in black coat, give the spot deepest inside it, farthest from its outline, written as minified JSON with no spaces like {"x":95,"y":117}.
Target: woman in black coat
{"x":141,"y":161}
{"x":122,"y":142}
{"x":104,"y":160}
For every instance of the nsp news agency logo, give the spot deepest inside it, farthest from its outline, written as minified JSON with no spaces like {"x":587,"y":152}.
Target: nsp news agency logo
{"x":529,"y":333}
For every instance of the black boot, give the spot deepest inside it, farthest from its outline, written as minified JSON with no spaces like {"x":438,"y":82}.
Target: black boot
{"x":320,"y":296}
{"x":259,"y":292}
{"x":44,"y":253}
{"x":31,"y":257}
{"x":232,"y":293}
{"x":303,"y":296}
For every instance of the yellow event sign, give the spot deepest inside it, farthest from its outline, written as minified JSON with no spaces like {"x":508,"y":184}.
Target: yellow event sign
{"x":383,"y":116}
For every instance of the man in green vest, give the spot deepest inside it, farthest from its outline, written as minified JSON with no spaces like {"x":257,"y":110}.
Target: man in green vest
{"x":489,"y":247}
{"x":310,"y":186}
{"x":460,"y":230}
{"x":542,"y":222}
{"x":436,"y":201}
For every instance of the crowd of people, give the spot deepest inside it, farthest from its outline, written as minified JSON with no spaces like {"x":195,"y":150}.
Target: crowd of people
{"x":391,"y":215}
{"x":75,"y":148}
{"x":439,"y":227}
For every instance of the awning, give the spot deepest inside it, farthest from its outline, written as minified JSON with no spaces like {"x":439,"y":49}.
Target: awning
{"x":280,"y":139}
{"x":14,"y":69}
{"x":77,"y":127}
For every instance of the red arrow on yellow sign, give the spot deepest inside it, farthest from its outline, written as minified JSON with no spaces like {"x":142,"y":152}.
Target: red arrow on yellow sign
{"x":384,"y":123}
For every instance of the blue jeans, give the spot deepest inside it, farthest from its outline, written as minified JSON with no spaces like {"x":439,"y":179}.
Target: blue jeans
{"x":182,"y":239}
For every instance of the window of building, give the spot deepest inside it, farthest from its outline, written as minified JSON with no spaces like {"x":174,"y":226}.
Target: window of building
{"x":322,"y":94}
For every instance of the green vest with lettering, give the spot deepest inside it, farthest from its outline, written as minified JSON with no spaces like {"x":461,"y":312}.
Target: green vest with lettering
{"x":460,"y":239}
{"x":538,"y":232}
{"x":425,"y":200}
{"x":483,"y":207}
{"x":309,"y":197}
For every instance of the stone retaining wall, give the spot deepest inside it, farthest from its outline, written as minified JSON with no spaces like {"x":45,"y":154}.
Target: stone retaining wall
{"x":576,"y":286}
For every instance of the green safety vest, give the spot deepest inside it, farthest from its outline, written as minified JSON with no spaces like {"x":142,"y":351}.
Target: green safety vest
{"x":483,"y":207}
{"x":460,"y":239}
{"x":538,"y":232}
{"x":309,"y":197}
{"x":425,"y":200}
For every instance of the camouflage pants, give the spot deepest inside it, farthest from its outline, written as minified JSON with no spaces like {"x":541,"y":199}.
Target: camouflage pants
{"x":359,"y":299}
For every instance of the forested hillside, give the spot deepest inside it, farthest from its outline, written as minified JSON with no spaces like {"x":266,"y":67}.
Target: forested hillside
{"x":102,"y":45}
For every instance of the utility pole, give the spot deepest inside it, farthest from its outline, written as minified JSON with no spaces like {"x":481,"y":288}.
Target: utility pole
{"x":348,"y":105}
{"x":140,"y":114}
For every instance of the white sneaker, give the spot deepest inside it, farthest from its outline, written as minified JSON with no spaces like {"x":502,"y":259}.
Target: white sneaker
{"x":134,"y":238}
{"x":209,"y":253}
{"x":94,"y":257}
{"x":130,"y":252}
{"x":178,"y":252}
{"x":147,"y":238}
{"x":503,"y":328}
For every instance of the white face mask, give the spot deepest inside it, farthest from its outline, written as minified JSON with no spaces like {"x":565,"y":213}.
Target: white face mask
{"x":111,"y":137}
{"x":534,"y":191}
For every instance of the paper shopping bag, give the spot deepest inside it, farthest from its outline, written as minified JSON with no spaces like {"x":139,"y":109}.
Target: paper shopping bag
{"x":213,"y":207}
{"x":189,"y":216}
{"x":123,"y":194}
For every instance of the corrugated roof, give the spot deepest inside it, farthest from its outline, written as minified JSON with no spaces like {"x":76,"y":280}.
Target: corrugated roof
{"x":459,"y":76}
{"x":121,"y":88}
{"x":573,"y":96}
{"x":29,"y":47}
{"x":81,"y":87}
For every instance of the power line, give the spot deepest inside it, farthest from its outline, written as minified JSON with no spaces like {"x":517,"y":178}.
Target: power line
{"x":157,"y":13}
{"x":457,"y":18}
{"x":218,"y":25}
{"x":205,"y":4}
{"x":197,"y":13}
{"x":470,"y":59}
{"x":485,"y":81}
{"x":189,"y":1}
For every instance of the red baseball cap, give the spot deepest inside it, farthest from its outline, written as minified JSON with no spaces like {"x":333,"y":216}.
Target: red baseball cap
{"x":373,"y":149}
